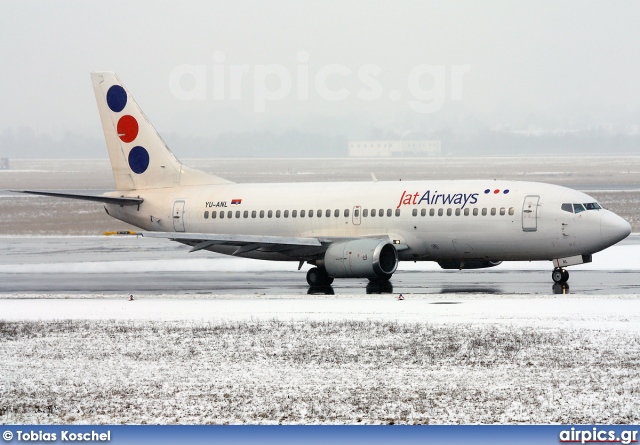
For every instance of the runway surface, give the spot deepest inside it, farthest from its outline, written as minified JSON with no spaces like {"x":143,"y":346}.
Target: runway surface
{"x":114,"y":266}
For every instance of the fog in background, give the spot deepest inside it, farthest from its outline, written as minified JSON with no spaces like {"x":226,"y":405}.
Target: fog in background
{"x":490,"y":78}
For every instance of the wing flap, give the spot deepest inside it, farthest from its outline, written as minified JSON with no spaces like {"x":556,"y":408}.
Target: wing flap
{"x":204,"y":240}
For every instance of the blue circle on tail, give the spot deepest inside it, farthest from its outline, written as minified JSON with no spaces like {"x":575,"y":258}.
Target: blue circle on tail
{"x":116,"y":98}
{"x":139,"y":159}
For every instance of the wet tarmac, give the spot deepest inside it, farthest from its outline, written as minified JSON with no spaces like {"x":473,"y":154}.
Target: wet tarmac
{"x":101,"y":265}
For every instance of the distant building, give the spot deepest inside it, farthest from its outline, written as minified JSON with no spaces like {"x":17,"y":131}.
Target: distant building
{"x":394,"y":148}
{"x":4,"y":163}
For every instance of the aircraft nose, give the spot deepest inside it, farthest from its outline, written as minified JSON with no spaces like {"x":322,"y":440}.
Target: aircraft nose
{"x":613,"y":228}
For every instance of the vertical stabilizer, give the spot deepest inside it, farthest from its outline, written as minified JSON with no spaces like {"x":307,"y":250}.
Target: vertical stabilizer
{"x":139,"y":157}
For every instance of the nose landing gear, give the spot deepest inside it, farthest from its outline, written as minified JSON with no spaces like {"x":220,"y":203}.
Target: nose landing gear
{"x":560,"y":275}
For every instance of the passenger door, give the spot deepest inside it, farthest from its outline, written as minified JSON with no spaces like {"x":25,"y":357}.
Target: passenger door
{"x":530,"y":214}
{"x":178,"y":216}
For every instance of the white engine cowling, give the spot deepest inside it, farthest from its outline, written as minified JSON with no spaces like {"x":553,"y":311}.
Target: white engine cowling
{"x":362,"y":258}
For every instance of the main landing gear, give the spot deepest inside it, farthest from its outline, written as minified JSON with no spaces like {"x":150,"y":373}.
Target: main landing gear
{"x":317,"y":276}
{"x":560,"y":275}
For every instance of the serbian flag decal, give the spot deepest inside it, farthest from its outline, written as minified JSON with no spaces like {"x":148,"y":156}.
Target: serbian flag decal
{"x":235,"y":202}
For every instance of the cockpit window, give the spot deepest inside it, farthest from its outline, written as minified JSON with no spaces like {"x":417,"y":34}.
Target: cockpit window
{"x":577,"y":208}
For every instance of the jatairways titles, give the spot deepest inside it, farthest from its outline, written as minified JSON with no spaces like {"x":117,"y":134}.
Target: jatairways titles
{"x":461,"y":199}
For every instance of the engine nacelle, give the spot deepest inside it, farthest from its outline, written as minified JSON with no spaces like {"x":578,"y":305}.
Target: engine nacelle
{"x":468,"y":264}
{"x":362,"y":258}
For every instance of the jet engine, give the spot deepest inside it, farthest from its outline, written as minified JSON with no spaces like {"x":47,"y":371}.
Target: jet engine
{"x":467,"y":264}
{"x":361,"y":258}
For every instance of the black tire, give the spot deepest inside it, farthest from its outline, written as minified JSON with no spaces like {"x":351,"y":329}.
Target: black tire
{"x":318,"y":277}
{"x":559,"y":275}
{"x":314,"y":278}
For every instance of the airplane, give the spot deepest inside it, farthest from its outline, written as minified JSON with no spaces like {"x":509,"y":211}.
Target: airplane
{"x":343,"y":229}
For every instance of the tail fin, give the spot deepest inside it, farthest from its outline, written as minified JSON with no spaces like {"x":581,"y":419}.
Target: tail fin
{"x":139,"y":157}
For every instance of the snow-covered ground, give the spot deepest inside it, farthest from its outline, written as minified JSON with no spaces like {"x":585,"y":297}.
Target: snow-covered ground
{"x":347,"y":359}
{"x":436,"y":358}
{"x":612,"y":313}
{"x":332,"y":371}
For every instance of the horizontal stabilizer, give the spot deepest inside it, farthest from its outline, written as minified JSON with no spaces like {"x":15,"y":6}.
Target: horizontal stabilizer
{"x":122,"y":201}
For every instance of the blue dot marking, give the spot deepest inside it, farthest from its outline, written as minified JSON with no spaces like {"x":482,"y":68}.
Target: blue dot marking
{"x":506,"y":191}
{"x":138,"y":159}
{"x":116,"y":98}
{"x":487,"y":191}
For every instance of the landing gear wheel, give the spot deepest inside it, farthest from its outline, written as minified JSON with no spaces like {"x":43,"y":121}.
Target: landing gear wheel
{"x":560,"y":275}
{"x":381,"y":278}
{"x":318,"y":277}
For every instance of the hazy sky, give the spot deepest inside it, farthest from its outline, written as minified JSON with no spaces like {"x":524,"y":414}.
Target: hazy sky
{"x":518,"y":65}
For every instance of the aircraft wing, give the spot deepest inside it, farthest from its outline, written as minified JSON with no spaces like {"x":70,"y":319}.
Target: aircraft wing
{"x":245,"y":243}
{"x":123,"y":201}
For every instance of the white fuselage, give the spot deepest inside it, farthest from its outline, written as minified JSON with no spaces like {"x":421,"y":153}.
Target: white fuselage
{"x":435,"y":220}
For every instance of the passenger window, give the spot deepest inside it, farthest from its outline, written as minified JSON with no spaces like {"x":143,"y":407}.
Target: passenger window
{"x":206,"y":215}
{"x":356,"y":213}
{"x":327,"y":213}
{"x":253,"y":213}
{"x":415,"y":212}
{"x":484,"y":211}
{"x":493,"y":211}
{"x":388,"y":212}
{"x":432,"y":212}
{"x":578,"y":208}
{"x":511,"y":211}
{"x":213,"y":215}
{"x":294,"y":213}
{"x":237,"y":213}
{"x":440,"y":212}
{"x":423,"y":212}
{"x":319,"y":213}
{"x":381,"y":213}
{"x":398,"y":212}
{"x":310,"y":213}
{"x":270,"y":214}
{"x":373,"y":212}
{"x":229,"y":214}
{"x":302,"y":212}
{"x":261,"y":213}
{"x":221,"y":215}
{"x":246,"y":214}
{"x":457,"y":212}
{"x":277,"y":213}
{"x":448,"y":212}
{"x":336,"y":213}
{"x":286,"y":213}
{"x":502,"y":211}
{"x":466,"y":212}
{"x":346,"y":213}
{"x":365,"y":212}
{"x":475,"y":212}
{"x":567,"y":208}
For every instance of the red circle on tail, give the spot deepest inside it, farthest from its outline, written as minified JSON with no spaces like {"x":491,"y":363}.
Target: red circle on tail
{"x":127,"y":128}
